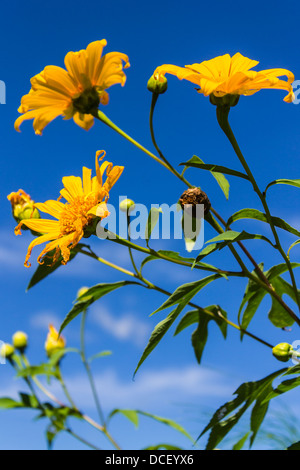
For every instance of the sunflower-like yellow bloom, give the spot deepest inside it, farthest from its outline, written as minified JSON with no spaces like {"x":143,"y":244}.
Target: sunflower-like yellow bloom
{"x":75,"y":92}
{"x":225,"y":75}
{"x":86,"y":200}
{"x":54,"y":342}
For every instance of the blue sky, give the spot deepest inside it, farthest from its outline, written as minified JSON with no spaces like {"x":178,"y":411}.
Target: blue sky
{"x":170,"y":383}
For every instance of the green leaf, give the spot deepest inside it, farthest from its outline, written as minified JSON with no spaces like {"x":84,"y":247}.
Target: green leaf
{"x":247,"y":394}
{"x":131,"y":415}
{"x":282,"y":388}
{"x":292,"y":246}
{"x":289,"y":182}
{"x":32,"y":371}
{"x":174,"y":256}
{"x":196,"y":162}
{"x":90,"y":296}
{"x":9,"y":403}
{"x":163,"y":447}
{"x":158,"y":333}
{"x":100,"y":354}
{"x":257,"y":215}
{"x":57,"y":355}
{"x":214,"y":170}
{"x":279,"y":269}
{"x":169,"y":422}
{"x":29,"y":401}
{"x":277,"y":314}
{"x":232,"y":236}
{"x":152,"y":221}
{"x":186,"y":292}
{"x":45,"y":269}
{"x":253,"y":297}
{"x":240,"y":444}
{"x":200,"y":335}
{"x":295,"y":446}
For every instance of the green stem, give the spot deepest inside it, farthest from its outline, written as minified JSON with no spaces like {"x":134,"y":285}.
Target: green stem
{"x":102,"y":117}
{"x":31,"y":388}
{"x":88,"y":369}
{"x":222,"y":116}
{"x":169,"y":166}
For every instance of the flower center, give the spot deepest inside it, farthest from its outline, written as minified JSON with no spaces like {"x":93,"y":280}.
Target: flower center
{"x":87,"y":102}
{"x":75,"y":217}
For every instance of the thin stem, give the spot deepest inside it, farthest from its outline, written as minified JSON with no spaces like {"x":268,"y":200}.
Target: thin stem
{"x":129,"y":248}
{"x":31,"y":388}
{"x":88,"y":369}
{"x":222,"y":116}
{"x":102,"y":117}
{"x":170,"y":167}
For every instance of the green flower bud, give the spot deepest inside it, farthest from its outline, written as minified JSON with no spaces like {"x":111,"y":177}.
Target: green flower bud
{"x":20,"y":340}
{"x":157,"y":84}
{"x":7,"y":350}
{"x":226,"y":100}
{"x":82,"y":291}
{"x":28,"y":212}
{"x":283,"y":352}
{"x":127,"y":205}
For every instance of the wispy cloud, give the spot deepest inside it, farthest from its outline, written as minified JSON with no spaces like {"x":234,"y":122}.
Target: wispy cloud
{"x":124,"y":327}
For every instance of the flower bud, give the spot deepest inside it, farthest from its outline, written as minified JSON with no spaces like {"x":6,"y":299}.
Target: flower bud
{"x":54,"y":342}
{"x":20,"y":340}
{"x":157,"y":84}
{"x":82,"y":291}
{"x":22,"y":206}
{"x":7,"y":350}
{"x":283,"y":352}
{"x":127,"y":205}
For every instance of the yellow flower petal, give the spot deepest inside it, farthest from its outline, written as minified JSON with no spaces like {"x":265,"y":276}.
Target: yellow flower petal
{"x":230,"y":75}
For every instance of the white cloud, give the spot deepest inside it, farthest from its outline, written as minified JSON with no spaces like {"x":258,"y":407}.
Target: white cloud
{"x":43,"y":319}
{"x":159,"y":389}
{"x":125,"y":327}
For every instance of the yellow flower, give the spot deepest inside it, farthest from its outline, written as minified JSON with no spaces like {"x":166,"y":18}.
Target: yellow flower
{"x":225,"y":75}
{"x":54,"y":342}
{"x":75,"y":92}
{"x":22,"y":205}
{"x":86,"y":199}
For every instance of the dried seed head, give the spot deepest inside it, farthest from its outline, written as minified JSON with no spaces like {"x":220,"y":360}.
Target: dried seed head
{"x":193,"y":196}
